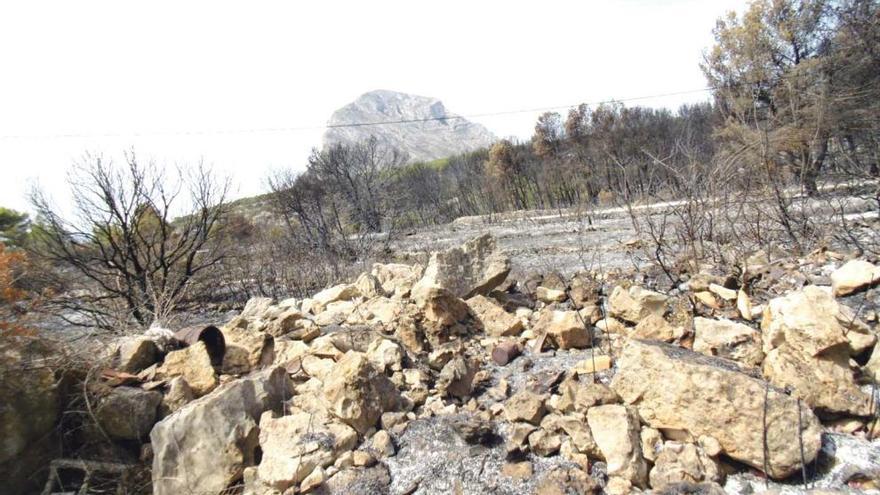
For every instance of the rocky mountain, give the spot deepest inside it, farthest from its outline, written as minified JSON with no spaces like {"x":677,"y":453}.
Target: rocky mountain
{"x":424,"y":140}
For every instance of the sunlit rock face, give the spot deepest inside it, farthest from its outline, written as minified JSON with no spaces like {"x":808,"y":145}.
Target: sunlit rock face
{"x":437,"y":133}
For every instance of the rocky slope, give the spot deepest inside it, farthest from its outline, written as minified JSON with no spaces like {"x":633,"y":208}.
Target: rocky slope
{"x":425,"y":140}
{"x":448,"y":377}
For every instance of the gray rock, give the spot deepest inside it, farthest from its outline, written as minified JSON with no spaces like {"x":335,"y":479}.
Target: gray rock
{"x":206,"y":445}
{"x":128,"y":413}
{"x":422,"y":141}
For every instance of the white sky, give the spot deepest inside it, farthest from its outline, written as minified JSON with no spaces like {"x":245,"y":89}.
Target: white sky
{"x":163,"y":69}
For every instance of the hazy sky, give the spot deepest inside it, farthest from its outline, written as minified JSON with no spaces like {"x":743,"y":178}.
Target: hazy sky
{"x":179,"y":81}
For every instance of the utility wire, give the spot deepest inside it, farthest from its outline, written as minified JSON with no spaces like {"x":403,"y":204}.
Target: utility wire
{"x":726,"y":85}
{"x":337,"y":126}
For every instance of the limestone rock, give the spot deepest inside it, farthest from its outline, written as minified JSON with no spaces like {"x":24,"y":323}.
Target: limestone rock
{"x":136,"y":354}
{"x":206,"y":445}
{"x":615,"y":429}
{"x":564,"y":329}
{"x":396,"y":279}
{"x":805,"y":319}
{"x":544,"y":443}
{"x":494,"y":319}
{"x":676,"y":389}
{"x":457,"y":377}
{"x":610,"y":324}
{"x":385,"y":355}
{"x":382,"y":444}
{"x":128,"y":413}
{"x":636,"y":303}
{"x":652,"y":442}
{"x":524,"y":406}
{"x":682,"y":463}
{"x":357,"y":393}
{"x":655,"y":327}
{"x":439,"y":305}
{"x":476,"y":267}
{"x":824,"y":382}
{"x":723,"y":292}
{"x":580,"y":396}
{"x":289,"y":350}
{"x":315,"y":479}
{"x":177,"y":395}
{"x":853,"y":276}
{"x":341,"y":292}
{"x":369,"y":286}
{"x":194,"y":365}
{"x":246,"y":350}
{"x":519,"y":470}
{"x":575,"y":426}
{"x":728,"y":339}
{"x":548,"y":296}
{"x":807,"y":349}
{"x":383,"y":310}
{"x":560,"y":481}
{"x":744,"y":305}
{"x":297,"y":444}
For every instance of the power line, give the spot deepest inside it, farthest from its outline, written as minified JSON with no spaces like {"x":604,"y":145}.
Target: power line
{"x":336,"y":126}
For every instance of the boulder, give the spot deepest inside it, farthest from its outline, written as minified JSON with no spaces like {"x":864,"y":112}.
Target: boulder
{"x":297,"y":444}
{"x":205,"y":446}
{"x":564,"y":329}
{"x":494,"y":319}
{"x":679,"y":390}
{"x":636,"y":303}
{"x":807,"y":349}
{"x":853,"y":276}
{"x":128,"y":413}
{"x":476,"y":267}
{"x":615,"y":429}
{"x":194,"y":365}
{"x":136,"y":354}
{"x":728,"y":339}
{"x":357,"y":393}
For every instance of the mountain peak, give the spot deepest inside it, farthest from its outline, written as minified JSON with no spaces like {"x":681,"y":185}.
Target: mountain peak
{"x":431,"y":132}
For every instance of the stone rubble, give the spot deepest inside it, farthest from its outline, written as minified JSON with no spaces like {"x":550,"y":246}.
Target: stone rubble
{"x":449,"y":379}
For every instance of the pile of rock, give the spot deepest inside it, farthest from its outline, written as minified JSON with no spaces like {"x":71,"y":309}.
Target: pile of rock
{"x":552,"y":384}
